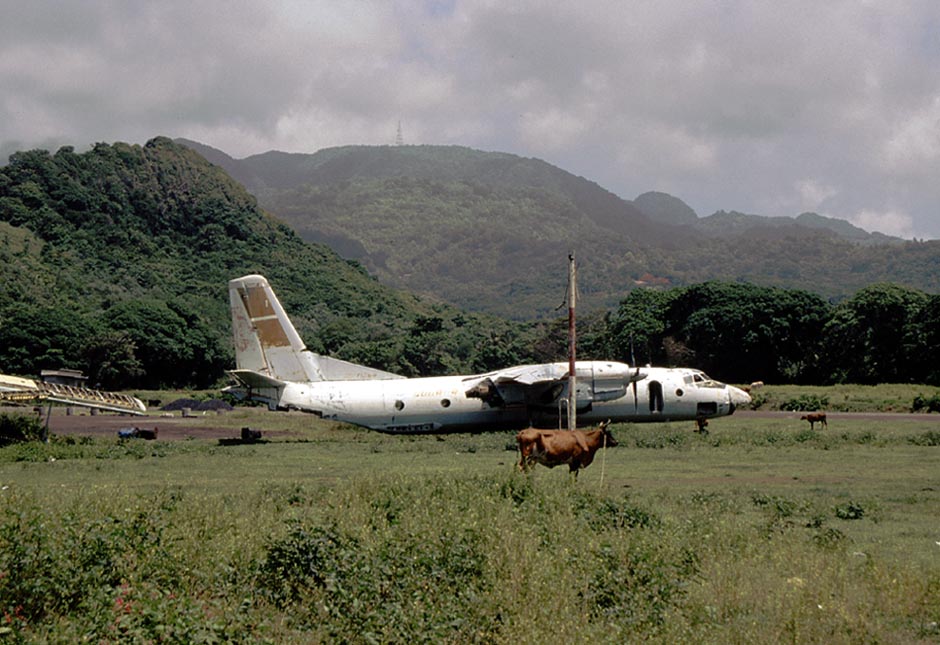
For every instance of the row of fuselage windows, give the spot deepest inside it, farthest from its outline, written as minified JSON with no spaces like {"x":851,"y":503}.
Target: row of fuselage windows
{"x":400,"y":405}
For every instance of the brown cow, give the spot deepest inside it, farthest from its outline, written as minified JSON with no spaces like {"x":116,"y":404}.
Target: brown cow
{"x":556,"y":447}
{"x":813,"y":418}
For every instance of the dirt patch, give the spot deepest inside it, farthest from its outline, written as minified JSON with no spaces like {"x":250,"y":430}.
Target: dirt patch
{"x":107,"y":425}
{"x":867,"y":416}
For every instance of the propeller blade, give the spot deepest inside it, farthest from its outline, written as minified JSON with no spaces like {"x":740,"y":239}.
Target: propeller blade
{"x":636,"y":405}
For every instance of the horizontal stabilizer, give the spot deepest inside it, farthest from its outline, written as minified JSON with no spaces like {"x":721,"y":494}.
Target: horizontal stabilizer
{"x":255,"y":380}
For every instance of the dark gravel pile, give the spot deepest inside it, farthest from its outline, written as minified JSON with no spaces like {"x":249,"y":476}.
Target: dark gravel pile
{"x":197,"y":406}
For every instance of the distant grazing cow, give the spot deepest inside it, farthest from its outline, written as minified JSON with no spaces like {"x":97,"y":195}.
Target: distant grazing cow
{"x":556,"y":447}
{"x":813,"y":418}
{"x":756,"y":385}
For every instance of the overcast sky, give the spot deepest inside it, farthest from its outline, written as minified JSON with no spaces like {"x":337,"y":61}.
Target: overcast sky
{"x":773,"y":108}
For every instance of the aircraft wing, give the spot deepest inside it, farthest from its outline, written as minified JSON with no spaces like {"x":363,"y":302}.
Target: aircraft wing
{"x":531,"y":374}
{"x":543,"y":384}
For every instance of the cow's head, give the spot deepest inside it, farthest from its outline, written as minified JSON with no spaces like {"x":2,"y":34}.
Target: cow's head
{"x":609,"y":439}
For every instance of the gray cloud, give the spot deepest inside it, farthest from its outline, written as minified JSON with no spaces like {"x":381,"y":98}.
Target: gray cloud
{"x":762,"y":107}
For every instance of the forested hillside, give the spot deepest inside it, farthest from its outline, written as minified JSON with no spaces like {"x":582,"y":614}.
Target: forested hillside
{"x":116,"y":261}
{"x":491,"y":231}
{"x":487,"y":231}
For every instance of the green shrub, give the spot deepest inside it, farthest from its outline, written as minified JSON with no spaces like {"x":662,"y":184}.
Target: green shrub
{"x":305,"y":560}
{"x":850,"y":511}
{"x":865,"y":438}
{"x":930,"y":404}
{"x":929,"y":438}
{"x":777,"y":506}
{"x":602,"y":513}
{"x":637,"y":586}
{"x":665,"y":439}
{"x":518,"y":489}
{"x":56,"y":568}
{"x":806,"y":434}
{"x":758,"y":399}
{"x":806,"y":403}
{"x":394,"y":588}
{"x":16,"y":428}
{"x":830,"y":538}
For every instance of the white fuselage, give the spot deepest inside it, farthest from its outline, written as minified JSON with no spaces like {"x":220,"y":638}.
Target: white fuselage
{"x":440,"y":404}
{"x":274,"y":366}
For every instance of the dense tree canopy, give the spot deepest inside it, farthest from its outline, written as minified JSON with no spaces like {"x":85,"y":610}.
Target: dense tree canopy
{"x":37,"y":337}
{"x":923,"y":343}
{"x":738,"y":332}
{"x":873,"y":338}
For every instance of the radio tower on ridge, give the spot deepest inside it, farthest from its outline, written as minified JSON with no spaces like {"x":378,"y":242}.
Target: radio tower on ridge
{"x":399,"y":139}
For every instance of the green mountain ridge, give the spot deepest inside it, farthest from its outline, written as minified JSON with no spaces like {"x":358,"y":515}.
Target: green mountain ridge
{"x":489,"y":231}
{"x":281,"y":170}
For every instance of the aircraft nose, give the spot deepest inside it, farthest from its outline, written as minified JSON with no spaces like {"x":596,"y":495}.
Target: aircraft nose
{"x":738,"y":396}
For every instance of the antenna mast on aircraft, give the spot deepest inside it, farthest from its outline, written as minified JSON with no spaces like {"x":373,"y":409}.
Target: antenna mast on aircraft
{"x":572,"y":341}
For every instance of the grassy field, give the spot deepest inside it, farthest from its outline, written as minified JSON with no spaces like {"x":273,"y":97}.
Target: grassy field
{"x":897,"y":397}
{"x":761,"y":531}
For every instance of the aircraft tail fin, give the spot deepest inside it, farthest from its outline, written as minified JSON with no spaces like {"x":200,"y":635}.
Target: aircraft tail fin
{"x":267,"y":343}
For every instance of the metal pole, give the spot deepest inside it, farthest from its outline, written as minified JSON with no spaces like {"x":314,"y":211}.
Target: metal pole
{"x":572,"y":343}
{"x":45,"y":430}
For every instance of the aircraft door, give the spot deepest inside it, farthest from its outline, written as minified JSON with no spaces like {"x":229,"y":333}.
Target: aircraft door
{"x":656,"y":396}
{"x":707,"y":409}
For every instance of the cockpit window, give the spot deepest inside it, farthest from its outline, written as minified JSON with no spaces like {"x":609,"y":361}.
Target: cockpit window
{"x":701,"y":379}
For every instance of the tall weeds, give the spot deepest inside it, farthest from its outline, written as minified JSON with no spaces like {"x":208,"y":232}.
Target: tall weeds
{"x":497,"y":558}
